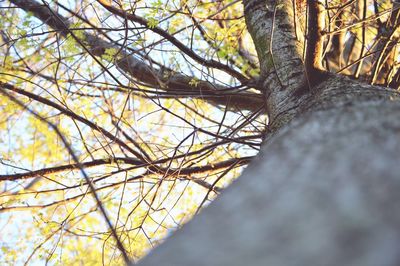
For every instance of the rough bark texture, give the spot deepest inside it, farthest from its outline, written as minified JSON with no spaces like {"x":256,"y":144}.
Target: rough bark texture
{"x":323,"y":191}
{"x":279,"y":43}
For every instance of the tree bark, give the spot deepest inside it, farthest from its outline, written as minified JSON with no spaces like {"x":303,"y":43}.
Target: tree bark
{"x":323,"y":191}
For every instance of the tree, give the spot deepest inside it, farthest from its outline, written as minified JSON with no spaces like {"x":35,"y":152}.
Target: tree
{"x":96,"y":88}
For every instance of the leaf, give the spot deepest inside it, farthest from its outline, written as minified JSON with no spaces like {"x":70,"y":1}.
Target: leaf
{"x":152,"y":23}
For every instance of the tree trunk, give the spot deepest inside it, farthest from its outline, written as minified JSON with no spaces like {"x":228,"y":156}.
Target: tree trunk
{"x":323,"y":191}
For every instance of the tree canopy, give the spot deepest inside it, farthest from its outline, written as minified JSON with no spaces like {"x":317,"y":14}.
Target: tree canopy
{"x":122,"y":119}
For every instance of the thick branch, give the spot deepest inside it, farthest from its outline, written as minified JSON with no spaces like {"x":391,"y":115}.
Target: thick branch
{"x":139,"y":70}
{"x":314,"y":51}
{"x":279,"y":42}
{"x":272,"y":27}
{"x":176,"y":172}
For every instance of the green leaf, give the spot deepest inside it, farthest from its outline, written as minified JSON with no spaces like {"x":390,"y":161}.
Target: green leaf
{"x":152,"y":23}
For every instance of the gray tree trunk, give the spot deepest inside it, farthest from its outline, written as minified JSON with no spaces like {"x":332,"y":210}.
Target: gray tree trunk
{"x":325,"y":190}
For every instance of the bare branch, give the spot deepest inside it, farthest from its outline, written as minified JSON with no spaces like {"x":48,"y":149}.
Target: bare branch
{"x":208,"y":63}
{"x":136,"y":68}
{"x":314,"y":51}
{"x":65,"y":111}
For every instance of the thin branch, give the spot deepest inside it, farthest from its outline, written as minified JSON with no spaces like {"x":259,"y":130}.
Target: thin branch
{"x":68,"y":167}
{"x":208,"y":63}
{"x":86,"y":177}
{"x":72,"y":115}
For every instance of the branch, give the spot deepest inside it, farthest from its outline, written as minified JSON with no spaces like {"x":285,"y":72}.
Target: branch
{"x":389,"y":37}
{"x":72,"y":115}
{"x":139,"y":70}
{"x":272,"y":27}
{"x":205,"y":168}
{"x":176,"y":172}
{"x":208,"y":63}
{"x":229,"y":164}
{"x":279,"y":41}
{"x":314,"y":50}
{"x":62,"y":168}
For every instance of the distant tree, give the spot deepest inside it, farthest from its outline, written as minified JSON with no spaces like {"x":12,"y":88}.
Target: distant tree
{"x":121,"y":119}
